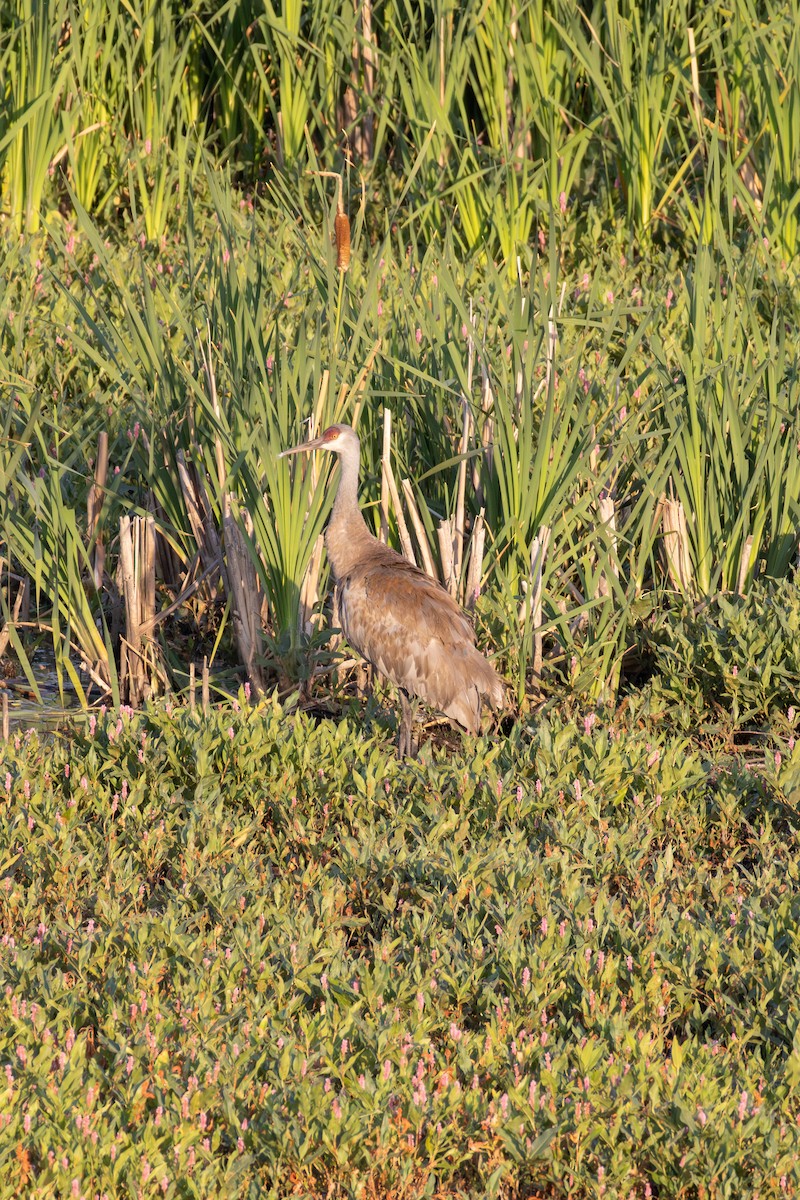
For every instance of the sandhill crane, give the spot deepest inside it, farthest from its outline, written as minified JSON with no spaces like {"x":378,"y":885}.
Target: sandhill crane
{"x":398,"y":618}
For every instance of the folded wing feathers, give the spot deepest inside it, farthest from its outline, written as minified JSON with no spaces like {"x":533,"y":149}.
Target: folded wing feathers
{"x":413,"y":632}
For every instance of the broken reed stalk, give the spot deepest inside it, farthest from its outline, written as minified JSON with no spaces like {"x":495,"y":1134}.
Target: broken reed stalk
{"x":6,"y":719}
{"x":309,"y":588}
{"x":419,"y":529}
{"x":22,"y":592}
{"x":137,"y":575}
{"x":744,"y":564}
{"x":204,"y":693}
{"x":445,"y":534}
{"x":95,"y":505}
{"x":675,"y":539}
{"x":475,"y":571}
{"x":538,"y":555}
{"x":606,"y":511}
{"x":386,"y":466}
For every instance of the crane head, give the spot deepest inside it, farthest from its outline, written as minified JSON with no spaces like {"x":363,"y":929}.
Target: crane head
{"x":339,"y":438}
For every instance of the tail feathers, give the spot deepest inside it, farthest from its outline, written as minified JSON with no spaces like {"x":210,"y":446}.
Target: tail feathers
{"x":486,"y":684}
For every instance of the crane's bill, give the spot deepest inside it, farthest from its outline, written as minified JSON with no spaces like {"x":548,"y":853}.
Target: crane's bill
{"x":315,"y":444}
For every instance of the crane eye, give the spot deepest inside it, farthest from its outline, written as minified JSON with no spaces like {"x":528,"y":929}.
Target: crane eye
{"x":330,"y":434}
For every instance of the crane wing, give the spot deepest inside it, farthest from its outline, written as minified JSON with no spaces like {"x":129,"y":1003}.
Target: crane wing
{"x":412,"y":631}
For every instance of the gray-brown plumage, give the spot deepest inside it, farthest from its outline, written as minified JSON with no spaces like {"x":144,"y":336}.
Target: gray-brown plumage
{"x":399,"y":619}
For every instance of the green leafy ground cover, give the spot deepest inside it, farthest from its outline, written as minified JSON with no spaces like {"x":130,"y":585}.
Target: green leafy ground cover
{"x":255,"y":955}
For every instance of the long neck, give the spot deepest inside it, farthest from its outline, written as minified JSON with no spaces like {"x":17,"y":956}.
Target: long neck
{"x":345,"y":506}
{"x":347,"y":530}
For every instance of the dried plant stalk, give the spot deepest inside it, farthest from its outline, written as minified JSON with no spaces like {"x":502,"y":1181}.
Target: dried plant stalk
{"x":419,"y":529}
{"x":388,"y":473}
{"x":23,"y":589}
{"x":606,"y":511}
{"x":475,"y":571}
{"x":675,"y":538}
{"x":538,"y":555}
{"x":309,"y":590}
{"x":137,"y":567}
{"x":744,"y":564}
{"x":445,"y":535}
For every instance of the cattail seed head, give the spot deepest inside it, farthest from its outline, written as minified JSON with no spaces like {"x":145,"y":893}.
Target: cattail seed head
{"x":341,"y":226}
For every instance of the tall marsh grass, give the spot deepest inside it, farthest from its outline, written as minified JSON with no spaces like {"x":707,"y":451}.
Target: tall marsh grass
{"x":571,"y":285}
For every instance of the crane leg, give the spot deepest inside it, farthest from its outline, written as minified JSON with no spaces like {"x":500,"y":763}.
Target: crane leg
{"x":406,"y":746}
